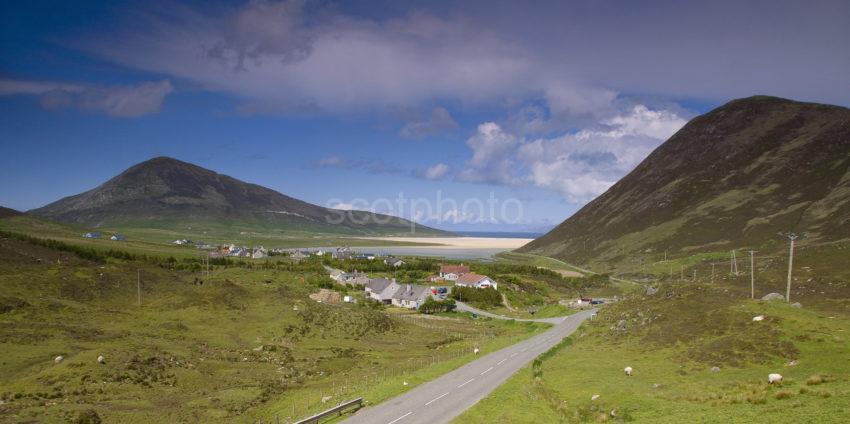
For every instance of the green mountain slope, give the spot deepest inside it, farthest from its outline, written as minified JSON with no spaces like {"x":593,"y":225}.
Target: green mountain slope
{"x":165,"y":193}
{"x":734,"y":177}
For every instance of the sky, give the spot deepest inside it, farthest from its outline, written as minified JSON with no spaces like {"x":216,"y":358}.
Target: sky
{"x":471,"y":115}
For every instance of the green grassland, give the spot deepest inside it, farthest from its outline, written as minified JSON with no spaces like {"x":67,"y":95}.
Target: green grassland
{"x":242,"y":344}
{"x":673,"y":339}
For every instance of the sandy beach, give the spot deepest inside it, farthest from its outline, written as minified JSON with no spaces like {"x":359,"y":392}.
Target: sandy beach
{"x":462,"y":242}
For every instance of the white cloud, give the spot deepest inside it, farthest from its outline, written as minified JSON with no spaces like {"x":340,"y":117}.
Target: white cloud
{"x":438,"y":122}
{"x":330,"y":161}
{"x":435,"y":172}
{"x":126,"y":101}
{"x":492,"y":155}
{"x":579,"y":165}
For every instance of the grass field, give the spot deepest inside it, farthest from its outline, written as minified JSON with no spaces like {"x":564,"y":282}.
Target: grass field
{"x":672,"y":340}
{"x":243,"y":344}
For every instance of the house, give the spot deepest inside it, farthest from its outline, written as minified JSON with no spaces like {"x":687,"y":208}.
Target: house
{"x":381,"y":289}
{"x":182,"y":242}
{"x":117,"y":237}
{"x":342,"y":253}
{"x":395,"y":262}
{"x":259,"y":253}
{"x":368,"y":256}
{"x":319,"y":252}
{"x":91,"y":235}
{"x":353,"y":278}
{"x":298,"y":255}
{"x":475,"y":280}
{"x":410,"y":296}
{"x":453,"y":272}
{"x":336,"y":274}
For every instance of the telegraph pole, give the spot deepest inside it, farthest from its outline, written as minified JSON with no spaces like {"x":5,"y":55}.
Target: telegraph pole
{"x":791,"y":237}
{"x":139,"y":286}
{"x":752,"y":276}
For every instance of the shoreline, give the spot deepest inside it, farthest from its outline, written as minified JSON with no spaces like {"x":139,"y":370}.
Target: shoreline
{"x":460,"y":242}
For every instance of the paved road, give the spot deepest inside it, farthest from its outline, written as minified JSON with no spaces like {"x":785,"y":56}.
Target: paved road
{"x":441,"y":400}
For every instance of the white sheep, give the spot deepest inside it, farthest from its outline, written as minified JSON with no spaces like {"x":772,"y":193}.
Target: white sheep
{"x":101,"y":359}
{"x":628,"y":371}
{"x":758,"y":318}
{"x":774,"y":378}
{"x":475,"y":351}
{"x":58,"y":359}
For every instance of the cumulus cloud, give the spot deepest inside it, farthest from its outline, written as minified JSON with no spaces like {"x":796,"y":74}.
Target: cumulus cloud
{"x":126,"y":101}
{"x":439,"y":121}
{"x":492,"y":156}
{"x":436,"y":172}
{"x":579,"y":165}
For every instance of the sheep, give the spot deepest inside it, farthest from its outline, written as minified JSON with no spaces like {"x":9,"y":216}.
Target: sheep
{"x":774,"y":378}
{"x":628,"y":371}
{"x":58,"y":359}
{"x":101,"y":359}
{"x":475,"y":351}
{"x":758,"y":318}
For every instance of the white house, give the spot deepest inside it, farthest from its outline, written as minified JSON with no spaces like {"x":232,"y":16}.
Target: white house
{"x":395,"y":262}
{"x":453,"y":272}
{"x":410,"y":296}
{"x":259,"y":253}
{"x":475,"y":280}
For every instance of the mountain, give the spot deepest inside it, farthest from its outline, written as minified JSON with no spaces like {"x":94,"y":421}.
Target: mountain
{"x":165,"y":193}
{"x":7,"y":213}
{"x":731,"y":178}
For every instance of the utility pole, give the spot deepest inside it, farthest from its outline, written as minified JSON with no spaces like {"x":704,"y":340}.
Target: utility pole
{"x":139,"y":286}
{"x":791,"y":237}
{"x":752,"y":276}
{"x":712,"y":272}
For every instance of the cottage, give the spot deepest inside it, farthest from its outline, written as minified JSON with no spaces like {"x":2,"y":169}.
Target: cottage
{"x":259,"y":253}
{"x":92,"y":235}
{"x":394,"y":262}
{"x":182,"y":242}
{"x":453,"y":272}
{"x":342,"y":253}
{"x":298,"y":255}
{"x":117,"y":237}
{"x":475,"y":280}
{"x":410,"y":296}
{"x":353,"y":278}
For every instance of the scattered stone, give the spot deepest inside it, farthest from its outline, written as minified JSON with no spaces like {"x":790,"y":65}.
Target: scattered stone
{"x":326,"y":398}
{"x":258,"y":348}
{"x":715,"y":369}
{"x":613,"y":412}
{"x":656,"y":385}
{"x":792,"y":363}
{"x":773,"y":296}
{"x":650,"y":291}
{"x":594,"y":397}
{"x":58,"y":359}
{"x":101,"y":359}
{"x":797,"y":305}
{"x":758,"y":318}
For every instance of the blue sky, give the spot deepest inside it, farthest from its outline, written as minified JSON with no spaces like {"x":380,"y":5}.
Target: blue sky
{"x":345,"y":104}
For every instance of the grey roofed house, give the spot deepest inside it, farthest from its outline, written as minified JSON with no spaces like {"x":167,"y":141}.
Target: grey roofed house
{"x":396,"y":262}
{"x":411,"y":295}
{"x":377,"y":285}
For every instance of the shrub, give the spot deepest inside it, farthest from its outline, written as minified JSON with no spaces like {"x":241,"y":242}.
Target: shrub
{"x":480,"y":297}
{"x":431,"y":306}
{"x":783,"y":394}
{"x":814,"y":380}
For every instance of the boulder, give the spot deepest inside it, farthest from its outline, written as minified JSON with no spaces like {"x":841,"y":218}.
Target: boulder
{"x":101,"y":359}
{"x":797,"y":305}
{"x":773,"y":296}
{"x":715,"y":369}
{"x":594,"y":397}
{"x":651,"y":291}
{"x":58,"y":359}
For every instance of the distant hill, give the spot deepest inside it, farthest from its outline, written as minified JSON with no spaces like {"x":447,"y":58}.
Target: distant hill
{"x":731,"y":178}
{"x":7,"y":213}
{"x":165,"y":193}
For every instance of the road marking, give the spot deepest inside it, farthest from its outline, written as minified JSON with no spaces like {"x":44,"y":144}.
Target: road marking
{"x":467,"y":382}
{"x":487,"y":370}
{"x":513,"y":354}
{"x":437,"y":398}
{"x":502,"y":361}
{"x":399,"y":418}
